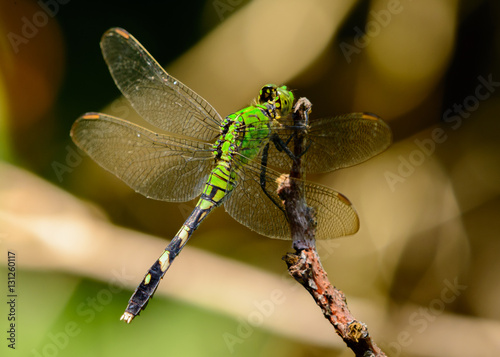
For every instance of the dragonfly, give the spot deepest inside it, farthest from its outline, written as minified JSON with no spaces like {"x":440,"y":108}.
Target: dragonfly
{"x":235,"y":161}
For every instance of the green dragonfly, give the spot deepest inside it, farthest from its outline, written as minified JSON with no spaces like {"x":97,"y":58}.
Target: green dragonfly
{"x":226,"y":161}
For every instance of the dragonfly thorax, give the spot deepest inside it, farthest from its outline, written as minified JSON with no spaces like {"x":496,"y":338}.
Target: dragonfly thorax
{"x":244,"y":133}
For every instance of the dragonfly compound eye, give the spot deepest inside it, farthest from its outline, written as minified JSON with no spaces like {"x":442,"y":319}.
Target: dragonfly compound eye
{"x":268,"y":93}
{"x":284,"y":100}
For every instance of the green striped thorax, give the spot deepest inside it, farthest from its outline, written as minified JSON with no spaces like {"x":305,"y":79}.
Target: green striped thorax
{"x":247,"y":129}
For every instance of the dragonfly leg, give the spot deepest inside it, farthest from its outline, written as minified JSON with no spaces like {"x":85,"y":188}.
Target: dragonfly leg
{"x":263,"y":168}
{"x":283,"y":146}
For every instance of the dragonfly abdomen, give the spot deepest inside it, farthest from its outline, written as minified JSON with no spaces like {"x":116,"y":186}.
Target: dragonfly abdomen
{"x":219,"y":185}
{"x":149,"y":284}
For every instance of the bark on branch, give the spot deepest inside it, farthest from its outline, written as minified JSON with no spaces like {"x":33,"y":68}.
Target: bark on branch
{"x":304,"y":265}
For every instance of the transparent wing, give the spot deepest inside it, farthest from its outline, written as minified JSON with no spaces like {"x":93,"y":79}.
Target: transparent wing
{"x":336,"y":142}
{"x":158,"y":97}
{"x":250,"y":206}
{"x":162,"y":167}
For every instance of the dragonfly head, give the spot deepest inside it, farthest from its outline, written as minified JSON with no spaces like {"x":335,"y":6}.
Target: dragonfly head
{"x":281,"y":97}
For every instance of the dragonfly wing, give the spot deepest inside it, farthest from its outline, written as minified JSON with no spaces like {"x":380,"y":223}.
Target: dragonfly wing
{"x":162,"y":167}
{"x":158,"y":97}
{"x":337,"y":142}
{"x":345,"y":141}
{"x":335,"y":214}
{"x":250,"y":206}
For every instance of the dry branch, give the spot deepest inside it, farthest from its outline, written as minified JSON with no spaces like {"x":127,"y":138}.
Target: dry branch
{"x":304,"y":265}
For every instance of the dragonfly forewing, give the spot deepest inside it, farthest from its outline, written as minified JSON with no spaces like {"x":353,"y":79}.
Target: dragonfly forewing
{"x":336,"y":142}
{"x":159,"y":98}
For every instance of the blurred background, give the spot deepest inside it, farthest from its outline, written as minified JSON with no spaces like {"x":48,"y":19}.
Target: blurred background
{"x":423,"y":270}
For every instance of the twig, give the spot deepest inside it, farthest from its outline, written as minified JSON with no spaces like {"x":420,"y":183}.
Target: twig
{"x":304,"y":265}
